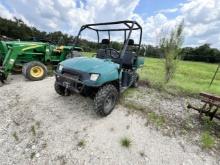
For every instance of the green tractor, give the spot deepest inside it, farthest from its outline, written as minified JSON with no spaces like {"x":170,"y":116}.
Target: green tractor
{"x":106,"y":75}
{"x":31,"y":58}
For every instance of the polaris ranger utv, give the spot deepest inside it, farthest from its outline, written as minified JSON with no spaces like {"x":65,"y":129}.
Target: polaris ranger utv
{"x":107,"y":74}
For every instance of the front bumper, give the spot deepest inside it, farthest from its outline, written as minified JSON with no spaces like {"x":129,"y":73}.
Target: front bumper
{"x":69,"y":82}
{"x":73,"y":83}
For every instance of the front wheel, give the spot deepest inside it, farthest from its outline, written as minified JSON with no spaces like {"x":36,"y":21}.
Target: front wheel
{"x":105,"y":100}
{"x":61,"y":90}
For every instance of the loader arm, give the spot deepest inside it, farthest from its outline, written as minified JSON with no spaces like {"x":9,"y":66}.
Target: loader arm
{"x":11,"y":57}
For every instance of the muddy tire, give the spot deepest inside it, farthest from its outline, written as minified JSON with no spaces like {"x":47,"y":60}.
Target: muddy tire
{"x":34,"y":71}
{"x":61,"y":90}
{"x":105,"y":100}
{"x":135,"y":83}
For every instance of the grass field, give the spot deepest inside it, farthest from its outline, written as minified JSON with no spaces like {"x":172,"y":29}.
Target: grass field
{"x":190,"y":79}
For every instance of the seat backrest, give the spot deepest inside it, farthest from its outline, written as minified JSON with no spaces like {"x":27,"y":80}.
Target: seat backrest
{"x":128,"y":60}
{"x":130,"y":42}
{"x":105,"y":42}
{"x":129,"y":57}
{"x":101,"y":53}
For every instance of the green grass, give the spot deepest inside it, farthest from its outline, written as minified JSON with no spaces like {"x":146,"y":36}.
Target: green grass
{"x":88,"y":54}
{"x":33,"y":155}
{"x":15,"y":136}
{"x":81,"y":143}
{"x":190,"y":78}
{"x":207,"y":140}
{"x":33,"y":130}
{"x":158,"y":120}
{"x":125,"y":142}
{"x":133,"y":105}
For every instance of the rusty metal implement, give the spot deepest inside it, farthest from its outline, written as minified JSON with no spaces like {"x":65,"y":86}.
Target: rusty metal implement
{"x":211,"y":106}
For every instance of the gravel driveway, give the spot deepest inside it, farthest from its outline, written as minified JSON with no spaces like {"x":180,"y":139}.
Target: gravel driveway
{"x":37,"y":126}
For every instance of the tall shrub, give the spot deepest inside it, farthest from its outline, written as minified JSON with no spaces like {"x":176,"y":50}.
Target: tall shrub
{"x":171,"y":47}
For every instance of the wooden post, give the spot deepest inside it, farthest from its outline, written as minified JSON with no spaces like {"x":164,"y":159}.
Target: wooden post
{"x":213,"y":78}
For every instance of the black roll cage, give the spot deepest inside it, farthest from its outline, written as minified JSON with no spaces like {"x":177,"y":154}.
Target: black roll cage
{"x":129,"y":27}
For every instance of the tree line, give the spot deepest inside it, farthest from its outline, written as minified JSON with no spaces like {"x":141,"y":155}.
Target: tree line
{"x":203,"y":53}
{"x":17,"y":29}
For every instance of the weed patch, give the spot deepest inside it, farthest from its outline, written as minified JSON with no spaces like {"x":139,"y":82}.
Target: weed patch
{"x":33,"y":155}
{"x":133,"y":106}
{"x":81,"y":143}
{"x":15,"y":136}
{"x":158,"y":120}
{"x":33,"y":130}
{"x":125,"y":142}
{"x":207,"y":140}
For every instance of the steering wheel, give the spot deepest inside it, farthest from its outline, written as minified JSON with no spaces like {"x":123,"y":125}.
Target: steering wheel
{"x":114,"y":55}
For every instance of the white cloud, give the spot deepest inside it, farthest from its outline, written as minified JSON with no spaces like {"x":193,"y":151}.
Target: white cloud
{"x":172,"y":10}
{"x":5,"y":13}
{"x":202,"y":17}
{"x":202,"y":20}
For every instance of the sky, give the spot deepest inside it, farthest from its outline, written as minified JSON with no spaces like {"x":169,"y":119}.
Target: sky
{"x":201,"y":17}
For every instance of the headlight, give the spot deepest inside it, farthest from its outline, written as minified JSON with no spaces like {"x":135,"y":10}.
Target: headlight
{"x":94,"y":76}
{"x":60,"y":67}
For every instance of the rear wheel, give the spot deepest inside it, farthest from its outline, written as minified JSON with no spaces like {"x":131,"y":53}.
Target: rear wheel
{"x":34,"y":71}
{"x":61,"y":90}
{"x":135,"y":82}
{"x":105,"y":100}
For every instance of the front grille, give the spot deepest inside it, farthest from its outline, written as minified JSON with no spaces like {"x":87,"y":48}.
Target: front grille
{"x":71,"y":74}
{"x":75,"y":74}
{"x":69,"y":82}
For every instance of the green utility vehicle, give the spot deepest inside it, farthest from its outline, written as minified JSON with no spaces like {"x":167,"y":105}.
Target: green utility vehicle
{"x":31,"y":58}
{"x":108,"y":74}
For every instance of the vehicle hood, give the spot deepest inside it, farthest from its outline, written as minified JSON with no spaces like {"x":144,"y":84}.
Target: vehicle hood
{"x":90,"y":65}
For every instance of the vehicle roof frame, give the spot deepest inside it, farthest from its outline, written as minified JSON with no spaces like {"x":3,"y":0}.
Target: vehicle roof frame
{"x":129,"y":27}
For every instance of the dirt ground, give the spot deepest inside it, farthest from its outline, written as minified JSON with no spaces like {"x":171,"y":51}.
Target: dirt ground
{"x":37,"y":126}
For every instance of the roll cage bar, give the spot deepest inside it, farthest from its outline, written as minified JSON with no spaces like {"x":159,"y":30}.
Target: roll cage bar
{"x":129,"y":26}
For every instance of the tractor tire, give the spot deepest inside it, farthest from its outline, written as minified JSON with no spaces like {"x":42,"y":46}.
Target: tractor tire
{"x":34,"y":71}
{"x":23,"y":71}
{"x":61,"y":90}
{"x":1,"y":60}
{"x":105,"y":100}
